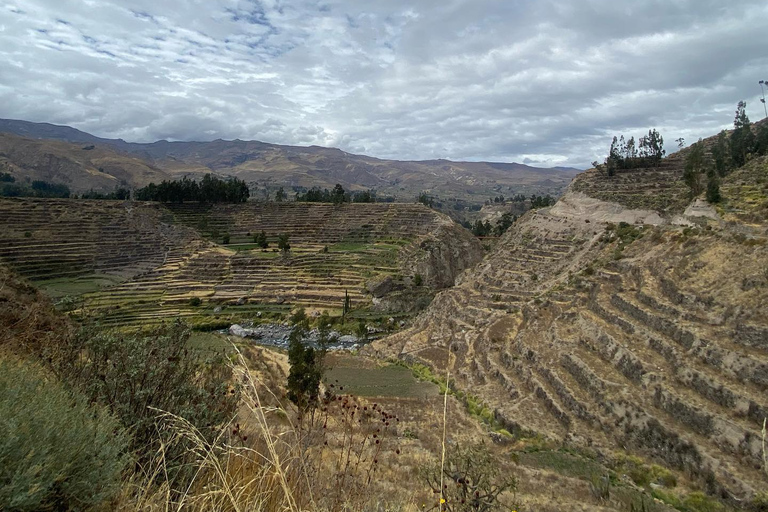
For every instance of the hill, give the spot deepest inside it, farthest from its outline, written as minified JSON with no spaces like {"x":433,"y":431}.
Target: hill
{"x":133,"y":263}
{"x":268,"y":166}
{"x":623,"y":321}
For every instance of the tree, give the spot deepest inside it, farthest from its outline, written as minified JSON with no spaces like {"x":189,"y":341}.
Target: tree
{"x":425,"y":199}
{"x":260,"y":239}
{"x":338,"y":194}
{"x":721,"y":154}
{"x":283,"y":242}
{"x":347,"y":304}
{"x":306,"y":363}
{"x":694,"y":167}
{"x":280,"y":195}
{"x":713,"y":187}
{"x":742,"y":139}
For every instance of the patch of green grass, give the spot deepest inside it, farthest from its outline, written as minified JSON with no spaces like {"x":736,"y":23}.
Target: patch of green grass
{"x":210,"y":341}
{"x":566,"y":464}
{"x":61,"y":287}
{"x":349,"y":247}
{"x":386,"y":381}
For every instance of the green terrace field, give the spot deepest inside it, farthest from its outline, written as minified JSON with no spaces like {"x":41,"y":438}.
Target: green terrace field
{"x":131,"y":264}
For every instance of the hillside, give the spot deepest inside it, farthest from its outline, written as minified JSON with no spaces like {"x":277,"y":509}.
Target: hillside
{"x":619,"y":321}
{"x":265,"y":166}
{"x":81,"y":167}
{"x":132,"y":263}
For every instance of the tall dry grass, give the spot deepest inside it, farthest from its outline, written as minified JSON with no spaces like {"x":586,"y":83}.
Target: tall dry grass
{"x":270,"y":458}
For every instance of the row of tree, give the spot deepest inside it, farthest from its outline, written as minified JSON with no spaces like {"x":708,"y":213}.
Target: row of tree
{"x":336,"y":196}
{"x":211,"y":189}
{"x":119,"y":194}
{"x":38,"y":188}
{"x":730,"y":151}
{"x":627,"y":154}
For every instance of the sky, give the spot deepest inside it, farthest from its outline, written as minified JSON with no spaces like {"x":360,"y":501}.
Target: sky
{"x":543,"y":82}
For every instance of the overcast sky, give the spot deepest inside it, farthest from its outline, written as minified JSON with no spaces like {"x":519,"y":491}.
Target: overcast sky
{"x":543,"y":82}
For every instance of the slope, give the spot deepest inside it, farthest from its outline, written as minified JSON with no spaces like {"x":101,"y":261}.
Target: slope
{"x":647,"y":336}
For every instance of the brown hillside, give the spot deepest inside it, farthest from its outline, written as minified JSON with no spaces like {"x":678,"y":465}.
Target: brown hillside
{"x":657,"y":346}
{"x":81,"y":167}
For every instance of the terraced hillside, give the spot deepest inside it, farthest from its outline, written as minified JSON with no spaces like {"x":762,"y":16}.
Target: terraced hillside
{"x":618,"y":338}
{"x":49,"y":239}
{"x":141,"y":263}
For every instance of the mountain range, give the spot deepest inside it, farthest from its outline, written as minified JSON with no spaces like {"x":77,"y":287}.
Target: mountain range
{"x":83,"y":161}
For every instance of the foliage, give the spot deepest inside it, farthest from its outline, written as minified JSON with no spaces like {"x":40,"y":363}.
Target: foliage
{"x":38,"y":188}
{"x":600,"y":486}
{"x":336,"y":196}
{"x":695,"y":165}
{"x":283,"y":242}
{"x":743,"y":140}
{"x":260,"y":239}
{"x":225,"y":239}
{"x":418,"y":280}
{"x":721,"y":154}
{"x":57,"y":452}
{"x":139,"y":373}
{"x":6,"y":177}
{"x":347,"y":304}
{"x":470,"y":480}
{"x":306,"y":370}
{"x":119,"y":194}
{"x":426,"y":199}
{"x":713,"y":187}
{"x":280,"y":195}
{"x":626,"y":154}
{"x":211,"y":189}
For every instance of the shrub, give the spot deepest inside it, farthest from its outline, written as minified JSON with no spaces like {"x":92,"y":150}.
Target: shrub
{"x":417,"y":280}
{"x":137,"y":374}
{"x":471,"y":477}
{"x":225,"y":239}
{"x":57,"y":453}
{"x":195,"y":301}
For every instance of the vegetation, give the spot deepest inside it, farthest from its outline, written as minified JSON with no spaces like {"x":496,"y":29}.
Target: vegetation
{"x":306,"y":363}
{"x":119,"y":194}
{"x":626,"y":154}
{"x":469,"y":480}
{"x":283,"y":242}
{"x":260,"y":239}
{"x":58,"y":452}
{"x":211,"y":189}
{"x":38,"y":188}
{"x":695,"y":168}
{"x":336,"y":196}
{"x":137,"y":375}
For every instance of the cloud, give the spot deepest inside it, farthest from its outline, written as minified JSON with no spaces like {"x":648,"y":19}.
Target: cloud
{"x":546,"y":82}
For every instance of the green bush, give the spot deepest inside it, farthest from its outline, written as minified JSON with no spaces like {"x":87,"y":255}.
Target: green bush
{"x":137,"y":374}
{"x":56,"y":451}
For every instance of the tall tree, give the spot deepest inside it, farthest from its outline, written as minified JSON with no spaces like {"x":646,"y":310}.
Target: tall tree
{"x":721,"y":153}
{"x":742,"y":138}
{"x":694,"y":167}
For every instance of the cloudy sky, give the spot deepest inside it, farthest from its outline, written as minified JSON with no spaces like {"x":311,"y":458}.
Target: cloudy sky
{"x":544,"y":82}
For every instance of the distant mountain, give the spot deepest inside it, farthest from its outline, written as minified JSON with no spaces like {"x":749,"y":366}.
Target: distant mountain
{"x":263,"y":165}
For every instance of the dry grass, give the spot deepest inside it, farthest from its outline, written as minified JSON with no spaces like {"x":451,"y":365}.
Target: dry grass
{"x":271,"y":458}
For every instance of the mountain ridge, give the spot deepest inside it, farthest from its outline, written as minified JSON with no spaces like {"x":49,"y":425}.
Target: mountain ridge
{"x":270,"y":166}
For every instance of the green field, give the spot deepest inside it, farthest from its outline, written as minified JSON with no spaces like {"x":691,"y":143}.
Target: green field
{"x":377,"y":381}
{"x":61,"y":287}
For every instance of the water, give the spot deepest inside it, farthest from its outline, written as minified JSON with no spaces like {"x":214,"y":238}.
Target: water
{"x":276,"y":335}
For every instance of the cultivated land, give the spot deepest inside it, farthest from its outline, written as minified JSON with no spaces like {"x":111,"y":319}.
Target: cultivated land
{"x":618,"y":339}
{"x":649,"y":337}
{"x":132,"y":263}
